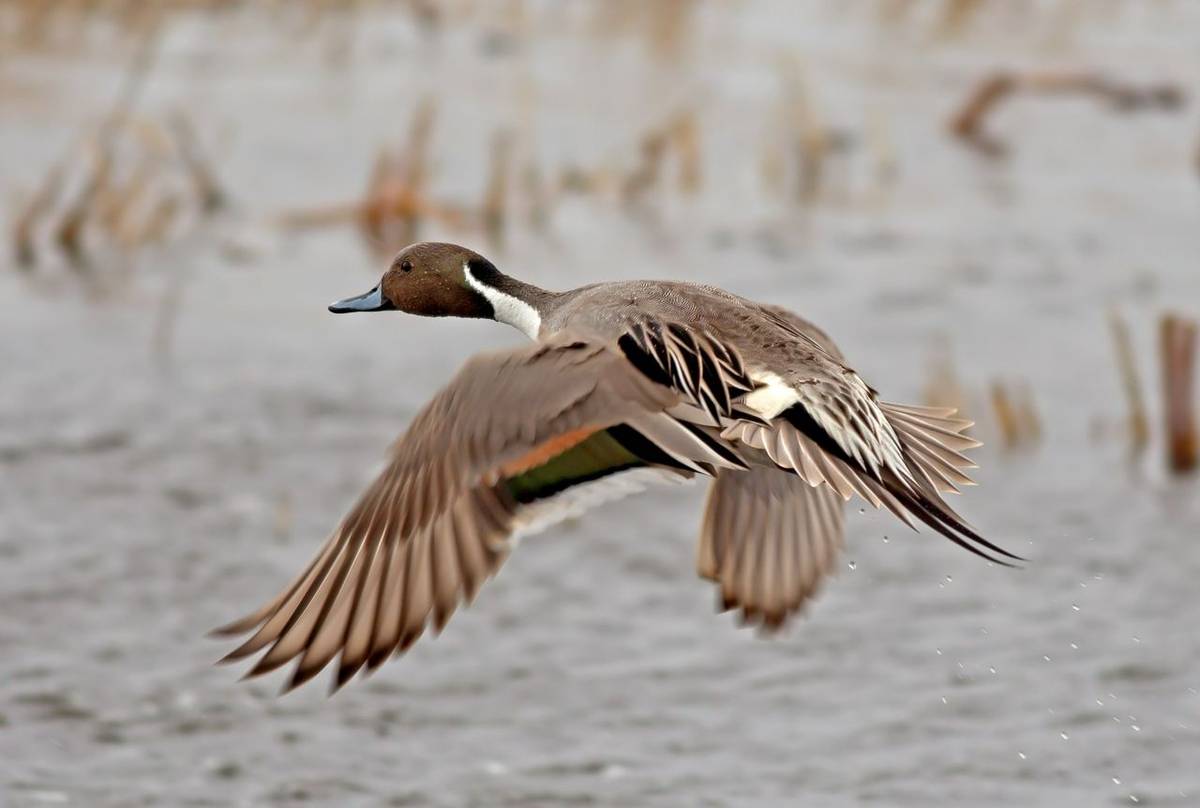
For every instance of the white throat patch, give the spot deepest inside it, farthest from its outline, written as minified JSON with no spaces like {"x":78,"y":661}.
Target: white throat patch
{"x":517,"y":313}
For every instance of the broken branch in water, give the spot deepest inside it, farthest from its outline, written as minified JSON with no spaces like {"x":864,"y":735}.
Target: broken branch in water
{"x":394,"y":204}
{"x":1177,"y":345}
{"x":968,"y":124}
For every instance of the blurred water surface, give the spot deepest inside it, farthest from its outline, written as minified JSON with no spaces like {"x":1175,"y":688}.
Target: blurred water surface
{"x":144,"y":500}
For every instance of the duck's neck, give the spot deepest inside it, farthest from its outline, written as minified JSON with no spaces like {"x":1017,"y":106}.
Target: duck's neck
{"x":521,"y":305}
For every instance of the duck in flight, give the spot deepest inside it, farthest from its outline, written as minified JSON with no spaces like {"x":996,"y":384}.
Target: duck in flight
{"x":623,"y":383}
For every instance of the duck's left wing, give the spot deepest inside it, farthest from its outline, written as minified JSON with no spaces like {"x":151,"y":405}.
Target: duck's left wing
{"x":506,"y":436}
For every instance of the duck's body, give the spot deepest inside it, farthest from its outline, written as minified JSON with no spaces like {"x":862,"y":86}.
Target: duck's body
{"x":624,"y":380}
{"x":780,"y":349}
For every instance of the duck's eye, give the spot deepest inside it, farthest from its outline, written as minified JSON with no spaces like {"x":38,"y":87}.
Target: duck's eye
{"x":406,"y":266}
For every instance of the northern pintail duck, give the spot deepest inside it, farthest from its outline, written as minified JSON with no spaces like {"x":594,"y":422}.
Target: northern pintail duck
{"x":623,"y":382}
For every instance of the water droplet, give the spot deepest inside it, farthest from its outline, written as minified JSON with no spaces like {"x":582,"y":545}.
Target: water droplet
{"x":862,"y":510}
{"x":943,"y":700}
{"x":1046,"y":657}
{"x":1135,"y":728}
{"x":1064,"y":735}
{"x":1133,"y":798}
{"x":886,"y":539}
{"x":1074,"y":607}
{"x":853,"y":565}
{"x":1099,"y":703}
{"x":1021,"y":755}
{"x":1116,"y":781}
{"x":949,"y":579}
{"x":1074,"y":647}
{"x":1137,"y":640}
{"x":939,"y":651}
{"x":992,"y":670}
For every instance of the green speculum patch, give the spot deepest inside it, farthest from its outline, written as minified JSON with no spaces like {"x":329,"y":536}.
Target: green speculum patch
{"x":598,"y":456}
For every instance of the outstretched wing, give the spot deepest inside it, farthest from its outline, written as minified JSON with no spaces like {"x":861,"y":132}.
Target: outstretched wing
{"x":768,"y":540}
{"x":510,"y":432}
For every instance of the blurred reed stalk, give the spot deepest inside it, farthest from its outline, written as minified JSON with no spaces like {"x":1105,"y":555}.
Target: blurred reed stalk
{"x":969,"y":123}
{"x":1139,"y":424}
{"x":282,"y":523}
{"x":1012,"y":404}
{"x":810,"y":144}
{"x":95,"y":192}
{"x":956,"y":15}
{"x":69,"y":233}
{"x":1016,"y":415}
{"x":1006,"y":416}
{"x":665,"y":25}
{"x":685,"y":136}
{"x":951,"y":17}
{"x":533,"y":187}
{"x":805,"y":160}
{"x":131,"y":193}
{"x":204,"y":183}
{"x":942,"y":387}
{"x":38,"y":207}
{"x":678,"y":138}
{"x":1028,"y":413}
{"x":882,"y":148}
{"x":1177,"y":350}
{"x":645,"y":175}
{"x":495,"y":198}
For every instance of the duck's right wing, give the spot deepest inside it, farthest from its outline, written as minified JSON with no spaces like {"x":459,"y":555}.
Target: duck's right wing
{"x":768,"y":540}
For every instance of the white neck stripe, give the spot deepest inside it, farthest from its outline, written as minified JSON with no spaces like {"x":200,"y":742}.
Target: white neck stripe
{"x":508,"y":309}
